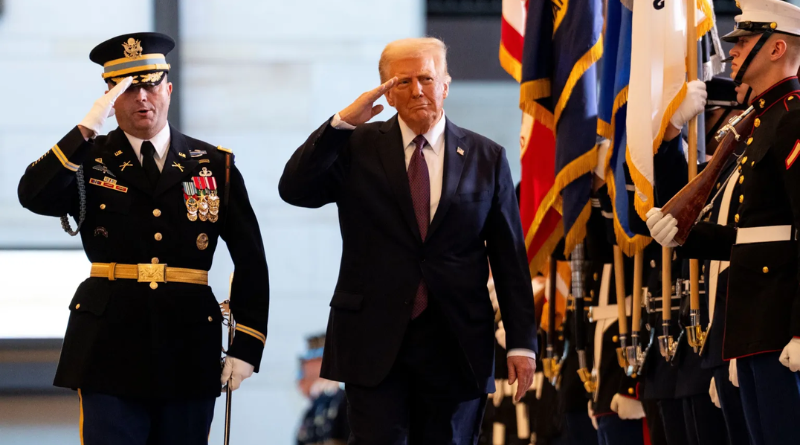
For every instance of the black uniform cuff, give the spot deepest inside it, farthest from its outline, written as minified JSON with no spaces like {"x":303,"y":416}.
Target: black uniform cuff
{"x":248,"y":348}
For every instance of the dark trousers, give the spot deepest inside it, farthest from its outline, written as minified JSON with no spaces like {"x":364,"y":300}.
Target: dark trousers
{"x":731,"y":402}
{"x":770,"y":398}
{"x":655,"y":426}
{"x":704,"y":422}
{"x":114,"y":420}
{"x":671,"y":411}
{"x":577,"y":430}
{"x":429,"y":397}
{"x":611,"y":430}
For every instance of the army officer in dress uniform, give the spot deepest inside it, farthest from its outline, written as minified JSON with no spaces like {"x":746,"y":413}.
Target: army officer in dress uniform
{"x":762,"y":317}
{"x":142,"y":345}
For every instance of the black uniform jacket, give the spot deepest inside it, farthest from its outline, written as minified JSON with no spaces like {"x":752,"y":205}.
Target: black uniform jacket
{"x":613,"y":379}
{"x":124,"y":338}
{"x":763,"y":306}
{"x":384,"y":258}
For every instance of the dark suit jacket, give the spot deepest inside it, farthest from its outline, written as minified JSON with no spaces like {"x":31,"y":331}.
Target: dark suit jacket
{"x":384,"y":258}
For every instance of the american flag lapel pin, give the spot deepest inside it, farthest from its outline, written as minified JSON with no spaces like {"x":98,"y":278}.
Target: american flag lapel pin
{"x":460,"y":151}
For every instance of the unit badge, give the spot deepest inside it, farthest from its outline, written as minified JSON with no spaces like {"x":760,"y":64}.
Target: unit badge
{"x":202,"y":241}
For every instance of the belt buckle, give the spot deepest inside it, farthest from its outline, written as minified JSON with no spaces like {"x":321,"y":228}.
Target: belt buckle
{"x":152,"y":273}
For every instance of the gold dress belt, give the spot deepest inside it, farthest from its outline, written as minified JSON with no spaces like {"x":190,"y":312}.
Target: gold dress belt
{"x":149,"y":273}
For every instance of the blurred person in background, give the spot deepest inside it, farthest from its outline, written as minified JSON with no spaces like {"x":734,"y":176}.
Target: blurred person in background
{"x":325,"y":421}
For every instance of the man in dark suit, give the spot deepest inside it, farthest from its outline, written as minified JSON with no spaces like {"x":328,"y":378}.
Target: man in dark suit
{"x":142,"y":345}
{"x":424,"y":206}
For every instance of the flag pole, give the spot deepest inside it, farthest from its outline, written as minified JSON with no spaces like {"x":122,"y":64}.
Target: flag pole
{"x":696,"y":335}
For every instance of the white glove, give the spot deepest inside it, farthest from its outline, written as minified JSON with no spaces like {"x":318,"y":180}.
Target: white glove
{"x":663,"y":228}
{"x":733,"y":373}
{"x":712,"y":391}
{"x":500,"y":335}
{"x":790,"y":357}
{"x":103,"y":108}
{"x":693,"y":104}
{"x":591,"y":415}
{"x":627,"y":408}
{"x":235,"y":370}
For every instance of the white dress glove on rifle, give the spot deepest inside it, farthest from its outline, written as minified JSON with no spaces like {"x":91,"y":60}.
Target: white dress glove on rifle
{"x":103,"y":108}
{"x":693,"y":104}
{"x":790,"y":357}
{"x":627,"y":408}
{"x":235,"y":370}
{"x":733,"y":373}
{"x":663,"y":228}
{"x":712,"y":392}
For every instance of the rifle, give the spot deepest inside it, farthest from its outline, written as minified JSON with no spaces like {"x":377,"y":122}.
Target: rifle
{"x":550,"y":363}
{"x":577,"y":263}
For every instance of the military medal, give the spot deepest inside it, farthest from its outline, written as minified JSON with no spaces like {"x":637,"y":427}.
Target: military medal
{"x":189,"y":193}
{"x":213,"y":199}
{"x":200,"y":184}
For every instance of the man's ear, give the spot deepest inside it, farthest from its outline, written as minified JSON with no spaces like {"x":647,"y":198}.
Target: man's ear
{"x":389,"y":97}
{"x":446,"y":89}
{"x":169,"y":88}
{"x":778,"y":49}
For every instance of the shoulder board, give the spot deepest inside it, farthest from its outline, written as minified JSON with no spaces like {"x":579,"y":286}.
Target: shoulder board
{"x":226,"y":150}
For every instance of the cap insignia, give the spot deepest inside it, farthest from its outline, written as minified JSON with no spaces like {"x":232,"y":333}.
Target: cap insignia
{"x":152,"y":77}
{"x":133,"y":48}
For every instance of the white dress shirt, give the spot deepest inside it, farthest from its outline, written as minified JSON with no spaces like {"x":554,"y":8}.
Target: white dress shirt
{"x":161,"y":143}
{"x":434,"y":158}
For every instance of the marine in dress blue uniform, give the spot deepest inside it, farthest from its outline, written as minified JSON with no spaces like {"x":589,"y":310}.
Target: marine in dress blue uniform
{"x":762,"y":315}
{"x":142,"y":345}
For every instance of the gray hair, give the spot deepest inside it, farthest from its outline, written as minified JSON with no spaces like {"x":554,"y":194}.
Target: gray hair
{"x":414,"y":47}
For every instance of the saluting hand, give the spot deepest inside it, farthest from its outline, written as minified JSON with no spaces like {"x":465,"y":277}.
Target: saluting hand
{"x":362,"y":110}
{"x":521,"y":368}
{"x":103,"y":108}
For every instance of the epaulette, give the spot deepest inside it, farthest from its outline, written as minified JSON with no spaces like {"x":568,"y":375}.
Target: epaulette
{"x":226,"y":150}
{"x":791,"y":102}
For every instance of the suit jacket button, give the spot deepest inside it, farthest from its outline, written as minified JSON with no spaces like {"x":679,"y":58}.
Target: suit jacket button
{"x":102,"y":206}
{"x":156,"y":213}
{"x":157,"y":236}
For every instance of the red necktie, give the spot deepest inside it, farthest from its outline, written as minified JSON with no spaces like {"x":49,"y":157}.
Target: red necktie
{"x":420,"y":185}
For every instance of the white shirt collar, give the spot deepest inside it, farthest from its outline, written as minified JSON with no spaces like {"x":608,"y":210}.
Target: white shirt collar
{"x":160,"y":141}
{"x":432,"y":136}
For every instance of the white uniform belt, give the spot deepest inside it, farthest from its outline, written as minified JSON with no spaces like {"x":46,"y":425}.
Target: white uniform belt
{"x":764,"y":234}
